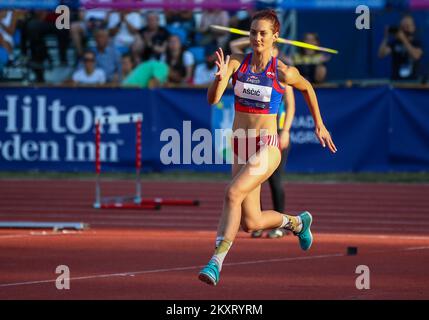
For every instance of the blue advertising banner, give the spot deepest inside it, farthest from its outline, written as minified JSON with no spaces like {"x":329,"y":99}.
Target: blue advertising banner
{"x":181,"y":135}
{"x":52,"y":129}
{"x":358,"y":122}
{"x":222,"y":118}
{"x":409,"y":131}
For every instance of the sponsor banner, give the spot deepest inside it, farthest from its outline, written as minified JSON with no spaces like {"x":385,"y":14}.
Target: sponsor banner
{"x":222,"y":116}
{"x":358,"y":122}
{"x":52,"y":129}
{"x":409,"y":130}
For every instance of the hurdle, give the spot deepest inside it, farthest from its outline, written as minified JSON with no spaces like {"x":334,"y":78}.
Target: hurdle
{"x":119,"y":201}
{"x":135,"y":201}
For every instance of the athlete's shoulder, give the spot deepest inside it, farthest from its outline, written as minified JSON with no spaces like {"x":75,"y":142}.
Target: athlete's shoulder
{"x":284,"y":71}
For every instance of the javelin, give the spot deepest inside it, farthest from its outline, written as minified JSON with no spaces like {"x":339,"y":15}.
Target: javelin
{"x":280,"y":40}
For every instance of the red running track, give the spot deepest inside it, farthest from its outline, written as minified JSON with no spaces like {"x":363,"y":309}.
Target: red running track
{"x":132,"y":254}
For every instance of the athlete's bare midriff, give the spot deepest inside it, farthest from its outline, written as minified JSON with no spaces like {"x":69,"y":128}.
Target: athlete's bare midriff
{"x":257,"y":122}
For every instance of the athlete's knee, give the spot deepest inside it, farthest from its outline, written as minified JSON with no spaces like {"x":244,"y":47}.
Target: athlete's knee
{"x":250,"y":225}
{"x":233,"y":196}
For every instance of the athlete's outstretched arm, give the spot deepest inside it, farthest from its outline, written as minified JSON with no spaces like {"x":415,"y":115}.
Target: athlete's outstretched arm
{"x":226,"y":67}
{"x":291,"y":76}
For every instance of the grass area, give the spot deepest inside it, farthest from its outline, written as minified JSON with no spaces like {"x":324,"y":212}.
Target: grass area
{"x":392,"y":177}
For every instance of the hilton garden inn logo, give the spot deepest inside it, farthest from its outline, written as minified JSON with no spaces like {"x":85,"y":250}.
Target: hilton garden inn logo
{"x":35,"y":129}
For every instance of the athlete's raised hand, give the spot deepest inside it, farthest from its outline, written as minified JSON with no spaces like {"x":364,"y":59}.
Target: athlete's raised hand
{"x":222,"y":64}
{"x":325,"y":138}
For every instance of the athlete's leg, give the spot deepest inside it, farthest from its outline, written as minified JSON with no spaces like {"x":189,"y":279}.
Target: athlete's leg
{"x":210,"y":273}
{"x":242,"y":189}
{"x":245,"y":179}
{"x":278,"y":193}
{"x":255,"y":219}
{"x":245,"y":185}
{"x":259,"y":167}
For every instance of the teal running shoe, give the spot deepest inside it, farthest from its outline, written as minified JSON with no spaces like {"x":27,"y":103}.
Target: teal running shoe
{"x":210,"y":274}
{"x":305,"y":236}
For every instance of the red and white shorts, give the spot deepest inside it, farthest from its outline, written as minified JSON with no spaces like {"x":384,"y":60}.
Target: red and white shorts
{"x":246,"y":147}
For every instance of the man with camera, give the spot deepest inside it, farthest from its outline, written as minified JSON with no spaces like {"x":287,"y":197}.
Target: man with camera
{"x":406,"y":50}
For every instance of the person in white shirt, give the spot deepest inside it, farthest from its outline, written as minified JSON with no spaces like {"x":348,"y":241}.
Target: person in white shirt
{"x":89,"y":74}
{"x":205,"y":72}
{"x":124,"y":27}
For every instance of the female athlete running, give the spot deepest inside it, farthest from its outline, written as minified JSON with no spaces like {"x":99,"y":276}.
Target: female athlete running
{"x":259,"y":80}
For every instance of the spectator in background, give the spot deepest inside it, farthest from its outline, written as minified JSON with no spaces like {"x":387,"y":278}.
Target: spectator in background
{"x":180,"y":61}
{"x":89,"y":21}
{"x":8,"y":20}
{"x":89,"y":74}
{"x":182,"y":19}
{"x":405,"y":48}
{"x":108,"y":57}
{"x":217,"y":17}
{"x":62,"y":35}
{"x":311,"y":63}
{"x":124,"y":27}
{"x":35,"y":26}
{"x":154,"y":38}
{"x":205,"y":72}
{"x":127,"y":65}
{"x":149,"y":74}
{"x":241,"y":20}
{"x":35,"y":42}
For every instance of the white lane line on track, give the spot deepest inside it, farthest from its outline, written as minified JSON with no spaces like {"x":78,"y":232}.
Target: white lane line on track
{"x":124,"y":274}
{"x":231,"y":264}
{"x":206,"y":224}
{"x":319,"y":234}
